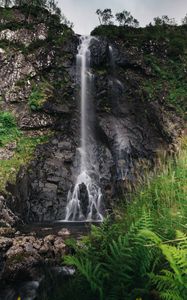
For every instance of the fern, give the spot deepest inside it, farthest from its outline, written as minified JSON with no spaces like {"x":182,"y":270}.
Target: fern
{"x":124,"y":260}
{"x":94,"y":274}
{"x":128,"y":260}
{"x":128,"y":267}
{"x":171,"y":295}
{"x":172,"y":283}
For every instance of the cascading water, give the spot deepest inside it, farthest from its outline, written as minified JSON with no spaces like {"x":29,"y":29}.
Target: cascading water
{"x":84,"y":202}
{"x":121,"y":141}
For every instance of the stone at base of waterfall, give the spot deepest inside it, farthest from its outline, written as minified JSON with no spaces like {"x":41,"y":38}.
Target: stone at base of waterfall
{"x":83,"y":198}
{"x":21,"y":254}
{"x":7,"y":218}
{"x":64,"y":232}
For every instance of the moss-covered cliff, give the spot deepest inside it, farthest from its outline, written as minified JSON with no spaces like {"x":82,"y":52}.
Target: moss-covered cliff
{"x":29,"y":47}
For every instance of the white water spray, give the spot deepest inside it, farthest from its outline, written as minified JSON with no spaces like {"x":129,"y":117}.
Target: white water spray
{"x":121,"y":140}
{"x":84,"y":202}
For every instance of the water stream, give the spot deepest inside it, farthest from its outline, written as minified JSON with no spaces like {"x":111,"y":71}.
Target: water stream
{"x":84,"y":201}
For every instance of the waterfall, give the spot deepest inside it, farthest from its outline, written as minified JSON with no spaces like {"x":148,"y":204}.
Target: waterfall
{"x":121,"y":141}
{"x":84,"y":202}
{"x":112,"y":62}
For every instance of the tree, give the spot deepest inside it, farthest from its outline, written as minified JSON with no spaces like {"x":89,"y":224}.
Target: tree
{"x":65,"y":21}
{"x":164,"y":20}
{"x":52,"y":6}
{"x":40,"y":3}
{"x":99,"y":13}
{"x":184,"y":20}
{"x":125,"y":18}
{"x":105,"y":16}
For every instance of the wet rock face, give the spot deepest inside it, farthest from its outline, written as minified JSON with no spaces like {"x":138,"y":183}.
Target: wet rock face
{"x":99,"y":52}
{"x":7,"y":218}
{"x":5,"y":243}
{"x":42,"y":189}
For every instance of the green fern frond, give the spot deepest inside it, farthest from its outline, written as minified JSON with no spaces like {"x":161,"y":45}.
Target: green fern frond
{"x":165,"y":281}
{"x":176,"y":259}
{"x":172,"y":284}
{"x":170,"y":295}
{"x":94,"y":274}
{"x":150,"y":235}
{"x":182,"y":240}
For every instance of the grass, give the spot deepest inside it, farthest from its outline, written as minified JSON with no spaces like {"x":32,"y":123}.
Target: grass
{"x":25,"y":146}
{"x":8,"y":128}
{"x":164,"y":196}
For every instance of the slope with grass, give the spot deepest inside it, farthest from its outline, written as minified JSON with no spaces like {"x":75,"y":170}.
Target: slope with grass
{"x":143,"y":253}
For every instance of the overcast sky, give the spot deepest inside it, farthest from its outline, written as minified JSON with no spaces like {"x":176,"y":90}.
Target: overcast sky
{"x":82,"y":12}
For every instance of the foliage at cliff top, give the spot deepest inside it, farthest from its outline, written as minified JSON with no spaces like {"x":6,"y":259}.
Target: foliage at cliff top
{"x":138,"y":36}
{"x":51,"y":5}
{"x":31,"y":7}
{"x":163,"y":49}
{"x":24,"y":17}
{"x":125,"y":18}
{"x":161,"y":29}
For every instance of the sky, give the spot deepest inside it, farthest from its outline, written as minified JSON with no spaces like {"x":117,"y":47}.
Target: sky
{"x":82,"y":12}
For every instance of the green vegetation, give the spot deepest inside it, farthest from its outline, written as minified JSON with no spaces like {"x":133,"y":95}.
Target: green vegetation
{"x":164,"y":49}
{"x":173,"y":38}
{"x":164,"y":20}
{"x":124,"y":18}
{"x":31,"y":7}
{"x":24,"y":148}
{"x":8,"y":128}
{"x":143,"y":254}
{"x":59,"y":28}
{"x":169,"y":83}
{"x":184,"y":20}
{"x":51,"y":5}
{"x":23,"y":154}
{"x":6,"y":14}
{"x":39,"y":95}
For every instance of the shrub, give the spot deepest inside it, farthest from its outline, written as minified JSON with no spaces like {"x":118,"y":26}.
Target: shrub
{"x":39,"y":95}
{"x":8,"y":128}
